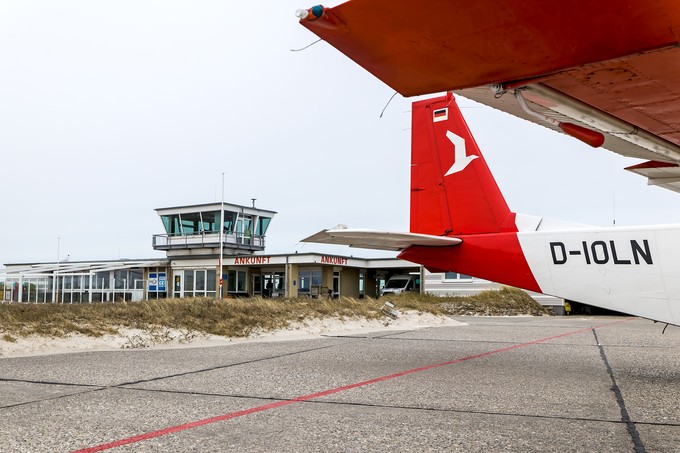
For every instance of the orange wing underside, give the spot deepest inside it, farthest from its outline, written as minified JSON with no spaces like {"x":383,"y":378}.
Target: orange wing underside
{"x":615,"y":56}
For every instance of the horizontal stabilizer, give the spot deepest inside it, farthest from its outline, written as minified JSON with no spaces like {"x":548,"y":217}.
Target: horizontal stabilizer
{"x":379,"y":240}
{"x":662,"y":174}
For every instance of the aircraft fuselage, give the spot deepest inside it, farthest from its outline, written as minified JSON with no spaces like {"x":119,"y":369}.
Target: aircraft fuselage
{"x":635,"y":270}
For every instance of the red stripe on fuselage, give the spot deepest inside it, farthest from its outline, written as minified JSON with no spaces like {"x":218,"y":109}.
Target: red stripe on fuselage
{"x":497,"y":257}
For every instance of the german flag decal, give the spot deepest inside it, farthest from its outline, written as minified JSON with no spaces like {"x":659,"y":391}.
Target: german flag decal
{"x":440,"y":115}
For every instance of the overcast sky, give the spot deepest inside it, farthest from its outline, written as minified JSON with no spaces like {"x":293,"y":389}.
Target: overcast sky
{"x":110,"y":109}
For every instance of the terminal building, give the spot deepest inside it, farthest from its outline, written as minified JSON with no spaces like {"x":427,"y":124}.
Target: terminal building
{"x":215,"y":245}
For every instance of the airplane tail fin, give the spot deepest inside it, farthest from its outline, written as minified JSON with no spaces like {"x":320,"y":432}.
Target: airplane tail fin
{"x":452,"y":189}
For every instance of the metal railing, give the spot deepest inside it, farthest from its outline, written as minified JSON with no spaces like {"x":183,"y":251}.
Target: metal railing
{"x":206,"y":240}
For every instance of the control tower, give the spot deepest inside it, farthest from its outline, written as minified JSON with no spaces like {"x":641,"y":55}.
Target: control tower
{"x":194,"y":231}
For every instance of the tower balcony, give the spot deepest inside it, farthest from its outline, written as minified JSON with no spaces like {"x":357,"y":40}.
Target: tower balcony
{"x":209,"y":240}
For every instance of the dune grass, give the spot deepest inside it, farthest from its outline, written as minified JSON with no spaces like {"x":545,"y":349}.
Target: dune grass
{"x":237,"y":317}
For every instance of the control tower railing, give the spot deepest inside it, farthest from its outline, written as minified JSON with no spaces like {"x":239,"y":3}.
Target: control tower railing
{"x":208,"y":240}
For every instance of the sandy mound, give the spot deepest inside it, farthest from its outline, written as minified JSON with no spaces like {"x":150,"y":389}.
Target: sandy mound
{"x":171,"y":338}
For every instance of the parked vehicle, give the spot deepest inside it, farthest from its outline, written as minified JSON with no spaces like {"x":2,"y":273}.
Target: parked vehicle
{"x":397,"y":284}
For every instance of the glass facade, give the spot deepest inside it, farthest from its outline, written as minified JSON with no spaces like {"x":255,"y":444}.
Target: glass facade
{"x":209,"y":221}
{"x":243,"y":228}
{"x":103,"y":286}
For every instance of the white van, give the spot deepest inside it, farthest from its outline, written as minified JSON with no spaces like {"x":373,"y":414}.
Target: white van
{"x":397,"y":284}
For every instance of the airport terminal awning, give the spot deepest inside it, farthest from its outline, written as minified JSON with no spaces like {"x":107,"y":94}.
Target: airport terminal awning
{"x":82,"y":267}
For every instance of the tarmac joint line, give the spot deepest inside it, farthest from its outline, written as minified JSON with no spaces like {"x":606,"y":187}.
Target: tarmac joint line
{"x":625,"y":418}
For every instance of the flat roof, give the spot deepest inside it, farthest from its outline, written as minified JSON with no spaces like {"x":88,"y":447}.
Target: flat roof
{"x":307,"y":258}
{"x":80,"y":266}
{"x":213,"y":207}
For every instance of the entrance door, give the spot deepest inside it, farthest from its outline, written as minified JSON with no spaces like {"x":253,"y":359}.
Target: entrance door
{"x":336,"y":285}
{"x":257,"y":285}
{"x":178,"y":290}
{"x":268,"y":288}
{"x":273,"y":284}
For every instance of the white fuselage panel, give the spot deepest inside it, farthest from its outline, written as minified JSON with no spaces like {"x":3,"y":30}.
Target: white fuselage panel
{"x":632,"y":270}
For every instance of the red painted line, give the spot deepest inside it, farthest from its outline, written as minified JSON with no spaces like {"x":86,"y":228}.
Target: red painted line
{"x":266,"y":407}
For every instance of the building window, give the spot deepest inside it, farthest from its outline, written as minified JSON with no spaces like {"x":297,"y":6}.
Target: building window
{"x":199,"y":282}
{"x":211,"y":281}
{"x":189,"y":282}
{"x":236,"y":282}
{"x":135,"y":279}
{"x":308,"y":280}
{"x":101,"y":280}
{"x":120,"y":279}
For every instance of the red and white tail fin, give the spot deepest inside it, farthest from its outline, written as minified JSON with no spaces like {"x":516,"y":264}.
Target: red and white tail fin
{"x":452,"y":189}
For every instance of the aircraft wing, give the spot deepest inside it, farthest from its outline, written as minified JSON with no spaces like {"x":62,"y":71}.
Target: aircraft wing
{"x":378,"y":240}
{"x":610,"y":66}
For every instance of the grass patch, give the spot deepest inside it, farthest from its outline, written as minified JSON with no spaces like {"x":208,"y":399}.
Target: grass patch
{"x":501,"y":302}
{"x":237,"y":317}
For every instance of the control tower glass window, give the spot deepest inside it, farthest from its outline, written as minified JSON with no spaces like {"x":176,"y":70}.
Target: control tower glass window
{"x":229,"y":221}
{"x":210,"y":221}
{"x":191,"y":223}
{"x":262,"y":225}
{"x":171,"y":224}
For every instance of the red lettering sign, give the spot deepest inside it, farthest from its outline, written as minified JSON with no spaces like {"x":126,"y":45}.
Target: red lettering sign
{"x":252,"y":260}
{"x":334,"y":260}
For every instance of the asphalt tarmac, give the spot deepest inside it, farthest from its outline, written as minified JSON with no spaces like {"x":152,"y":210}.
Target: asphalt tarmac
{"x":497,"y":384}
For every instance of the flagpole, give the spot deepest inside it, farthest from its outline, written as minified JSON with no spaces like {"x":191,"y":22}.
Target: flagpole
{"x":56,"y":274}
{"x":219,"y":267}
